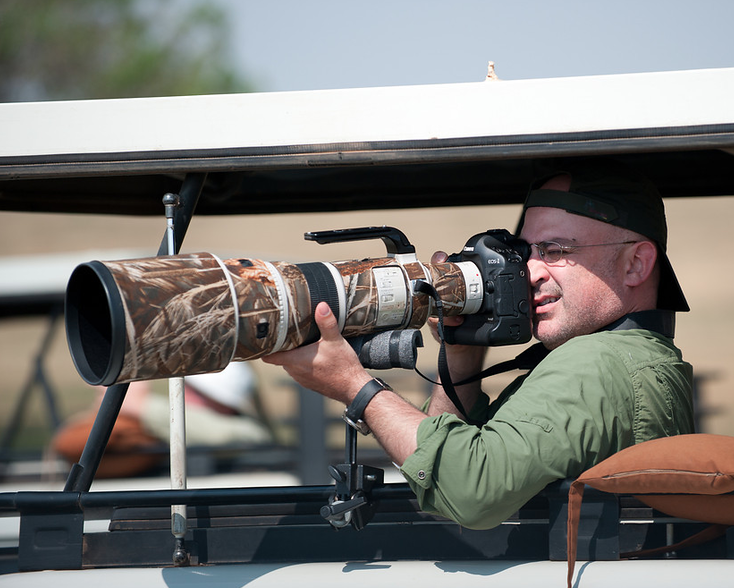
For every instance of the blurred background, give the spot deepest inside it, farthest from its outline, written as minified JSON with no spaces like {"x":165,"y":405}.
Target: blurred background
{"x":85,"y":49}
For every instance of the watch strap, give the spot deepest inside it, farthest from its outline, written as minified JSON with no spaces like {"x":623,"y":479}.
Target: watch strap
{"x":354,"y":412}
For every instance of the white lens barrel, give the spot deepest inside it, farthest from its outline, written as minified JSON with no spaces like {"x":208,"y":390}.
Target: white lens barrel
{"x":474,"y":287}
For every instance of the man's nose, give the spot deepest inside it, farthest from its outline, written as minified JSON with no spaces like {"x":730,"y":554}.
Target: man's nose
{"x":537,"y":268}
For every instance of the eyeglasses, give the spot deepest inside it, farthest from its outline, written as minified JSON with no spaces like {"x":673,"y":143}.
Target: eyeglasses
{"x":552,"y":252}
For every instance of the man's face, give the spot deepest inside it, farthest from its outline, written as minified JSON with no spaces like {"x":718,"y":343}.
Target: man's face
{"x":583,"y":291}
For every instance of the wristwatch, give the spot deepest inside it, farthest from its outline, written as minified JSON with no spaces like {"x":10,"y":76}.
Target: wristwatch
{"x":353,"y":413}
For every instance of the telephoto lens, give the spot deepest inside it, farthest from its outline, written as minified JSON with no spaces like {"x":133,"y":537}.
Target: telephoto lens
{"x":179,"y":315}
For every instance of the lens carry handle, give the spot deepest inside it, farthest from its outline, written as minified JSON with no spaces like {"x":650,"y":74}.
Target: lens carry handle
{"x":395,"y":240}
{"x":387,"y":349}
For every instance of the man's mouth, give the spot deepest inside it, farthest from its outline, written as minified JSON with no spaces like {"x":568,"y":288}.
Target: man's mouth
{"x":544,"y":301}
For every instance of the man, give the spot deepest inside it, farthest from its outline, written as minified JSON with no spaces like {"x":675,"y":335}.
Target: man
{"x":604,"y":296}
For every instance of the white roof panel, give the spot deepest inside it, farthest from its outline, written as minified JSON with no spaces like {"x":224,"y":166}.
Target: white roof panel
{"x":409,"y":113}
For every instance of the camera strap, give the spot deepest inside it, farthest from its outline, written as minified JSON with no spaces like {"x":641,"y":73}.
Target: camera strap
{"x":660,"y":321}
{"x":443,"y":368}
{"x":527,"y":360}
{"x":522,"y":360}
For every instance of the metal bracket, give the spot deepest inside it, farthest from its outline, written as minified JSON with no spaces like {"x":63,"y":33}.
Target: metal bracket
{"x":352,"y":502}
{"x":51,"y":531}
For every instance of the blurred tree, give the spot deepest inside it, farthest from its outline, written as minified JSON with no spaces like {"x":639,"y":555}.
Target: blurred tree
{"x":75,"y":49}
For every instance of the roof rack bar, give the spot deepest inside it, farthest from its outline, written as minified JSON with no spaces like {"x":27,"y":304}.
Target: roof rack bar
{"x":97,"y":502}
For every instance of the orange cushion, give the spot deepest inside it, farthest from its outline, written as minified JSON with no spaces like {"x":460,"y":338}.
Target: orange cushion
{"x":685,"y":464}
{"x":125,"y":454}
{"x":683,"y":476}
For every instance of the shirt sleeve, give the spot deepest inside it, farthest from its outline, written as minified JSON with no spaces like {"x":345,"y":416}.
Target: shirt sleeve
{"x":574,"y":409}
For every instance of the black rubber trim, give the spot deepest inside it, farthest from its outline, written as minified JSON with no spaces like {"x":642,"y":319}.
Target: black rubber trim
{"x":368,"y":153}
{"x":394,"y":348}
{"x":95,"y":324}
{"x":321,"y":287}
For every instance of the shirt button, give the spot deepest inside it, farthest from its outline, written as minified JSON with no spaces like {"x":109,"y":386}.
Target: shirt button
{"x":421,"y":475}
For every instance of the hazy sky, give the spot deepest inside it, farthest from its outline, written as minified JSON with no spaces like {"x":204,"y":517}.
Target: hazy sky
{"x":300,"y":45}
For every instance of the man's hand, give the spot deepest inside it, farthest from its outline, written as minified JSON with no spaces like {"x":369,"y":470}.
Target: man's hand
{"x":471,"y":354}
{"x":330,"y":366}
{"x":448,"y":321}
{"x":463,"y":361}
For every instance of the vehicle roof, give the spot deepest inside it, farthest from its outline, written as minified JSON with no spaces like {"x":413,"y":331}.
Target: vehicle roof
{"x":601,"y":574}
{"x":355,"y":149}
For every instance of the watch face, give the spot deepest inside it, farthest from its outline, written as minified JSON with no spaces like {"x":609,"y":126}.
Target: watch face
{"x":359,"y":424}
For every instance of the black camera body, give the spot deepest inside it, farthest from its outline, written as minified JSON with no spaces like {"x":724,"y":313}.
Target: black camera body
{"x":504,"y":317}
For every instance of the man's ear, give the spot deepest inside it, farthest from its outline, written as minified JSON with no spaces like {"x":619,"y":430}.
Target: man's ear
{"x":641,"y":262}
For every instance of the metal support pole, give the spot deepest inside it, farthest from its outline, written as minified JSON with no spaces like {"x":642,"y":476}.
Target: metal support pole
{"x":37,"y":378}
{"x":312,"y":459}
{"x":179,"y":522}
{"x":177,"y":425}
{"x":182,"y":214}
{"x":82,"y":473}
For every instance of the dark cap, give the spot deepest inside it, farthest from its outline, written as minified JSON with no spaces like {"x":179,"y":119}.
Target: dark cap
{"x":610,"y":192}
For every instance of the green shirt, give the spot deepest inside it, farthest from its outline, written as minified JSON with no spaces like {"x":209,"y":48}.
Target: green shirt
{"x":588,"y":399}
